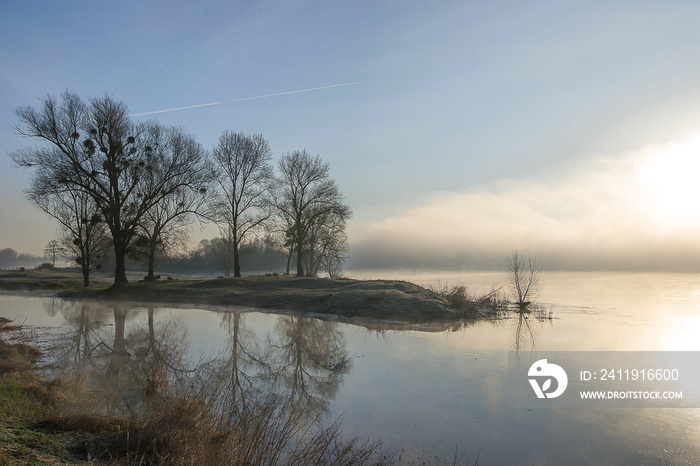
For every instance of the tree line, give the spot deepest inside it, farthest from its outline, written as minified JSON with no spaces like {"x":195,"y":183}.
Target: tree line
{"x":9,"y":258}
{"x":137,"y":187}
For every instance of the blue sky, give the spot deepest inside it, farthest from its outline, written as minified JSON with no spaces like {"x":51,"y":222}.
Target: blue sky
{"x":457,"y":103}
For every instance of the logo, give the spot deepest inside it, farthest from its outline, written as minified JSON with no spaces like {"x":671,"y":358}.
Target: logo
{"x":543,"y":371}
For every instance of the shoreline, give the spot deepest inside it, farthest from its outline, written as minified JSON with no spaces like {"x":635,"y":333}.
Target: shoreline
{"x":379,"y":302}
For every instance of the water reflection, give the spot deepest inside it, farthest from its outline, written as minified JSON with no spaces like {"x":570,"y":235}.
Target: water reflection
{"x":438,"y":389}
{"x":435,"y":388}
{"x":126,"y":368}
{"x":238,"y":372}
{"x":132,"y":356}
{"x":82,"y":323}
{"x":527,"y":326}
{"x":310,"y":359}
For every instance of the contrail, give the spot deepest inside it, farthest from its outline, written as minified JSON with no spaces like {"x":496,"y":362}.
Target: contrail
{"x":244,"y":98}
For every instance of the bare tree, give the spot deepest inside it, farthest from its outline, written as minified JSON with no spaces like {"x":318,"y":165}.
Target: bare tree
{"x":524,"y":278}
{"x":307,"y":197}
{"x":52,"y":249}
{"x":96,"y":149}
{"x":165,"y":225}
{"x":327,"y":245}
{"x":84,"y":235}
{"x":336,"y":250}
{"x":244,"y":177}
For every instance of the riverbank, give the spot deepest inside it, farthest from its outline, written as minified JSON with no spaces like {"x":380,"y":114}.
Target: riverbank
{"x":385,"y":300}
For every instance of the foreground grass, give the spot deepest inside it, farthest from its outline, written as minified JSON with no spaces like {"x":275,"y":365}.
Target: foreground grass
{"x":56,"y":422}
{"x":24,"y":397}
{"x":391,"y":300}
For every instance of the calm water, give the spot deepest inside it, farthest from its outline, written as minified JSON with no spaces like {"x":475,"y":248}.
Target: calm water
{"x":435,"y":391}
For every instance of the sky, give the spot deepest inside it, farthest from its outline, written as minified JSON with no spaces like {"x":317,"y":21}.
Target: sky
{"x":466,"y":129}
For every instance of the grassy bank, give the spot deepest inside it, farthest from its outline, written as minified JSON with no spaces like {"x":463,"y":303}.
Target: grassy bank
{"x":391,"y":300}
{"x":24,"y":399}
{"x":57,"y":422}
{"x":52,"y":280}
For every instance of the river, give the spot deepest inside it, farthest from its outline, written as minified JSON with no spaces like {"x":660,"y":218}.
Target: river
{"x":424,"y":393}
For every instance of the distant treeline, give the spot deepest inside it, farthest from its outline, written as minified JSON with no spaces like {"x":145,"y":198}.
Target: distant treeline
{"x":9,"y":258}
{"x":261,"y":256}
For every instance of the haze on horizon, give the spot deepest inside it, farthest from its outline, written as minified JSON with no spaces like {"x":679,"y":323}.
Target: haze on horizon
{"x":568,"y":130}
{"x":639,"y":212}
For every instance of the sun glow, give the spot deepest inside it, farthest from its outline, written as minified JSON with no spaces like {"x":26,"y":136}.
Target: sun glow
{"x":670,"y":176}
{"x":634,"y":211}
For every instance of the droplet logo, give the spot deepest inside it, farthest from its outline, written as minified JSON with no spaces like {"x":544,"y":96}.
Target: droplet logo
{"x":543,"y":372}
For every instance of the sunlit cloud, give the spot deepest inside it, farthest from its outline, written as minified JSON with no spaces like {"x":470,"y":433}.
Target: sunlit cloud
{"x":635,"y":212}
{"x":298,"y":91}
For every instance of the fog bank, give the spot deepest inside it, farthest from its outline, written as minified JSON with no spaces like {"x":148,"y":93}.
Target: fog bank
{"x":635,"y":212}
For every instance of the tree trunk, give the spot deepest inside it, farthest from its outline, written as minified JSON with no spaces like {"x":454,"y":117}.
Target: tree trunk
{"x":300,"y":244}
{"x":120,"y":280}
{"x":300,"y":266}
{"x":85,"y":265}
{"x":236,"y":260}
{"x":289,"y":259}
{"x":86,"y":273}
{"x":310,"y":262}
{"x":151,"y":261}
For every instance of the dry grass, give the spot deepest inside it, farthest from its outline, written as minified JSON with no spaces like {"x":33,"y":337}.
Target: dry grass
{"x":460,"y":300}
{"x":185,"y":430}
{"x":17,"y":357}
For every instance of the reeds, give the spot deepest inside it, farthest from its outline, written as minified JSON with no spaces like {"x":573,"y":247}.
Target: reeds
{"x":461,"y":301}
{"x":15,"y":357}
{"x":185,"y":430}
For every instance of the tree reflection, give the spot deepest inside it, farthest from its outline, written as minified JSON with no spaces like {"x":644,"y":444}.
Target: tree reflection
{"x":527,"y":327}
{"x":124,"y":368}
{"x":71,"y":354}
{"x":310,"y":361}
{"x":132,"y":359}
{"x":84,"y":321}
{"x":238,"y":374}
{"x":159,"y":354}
{"x":118,"y":357}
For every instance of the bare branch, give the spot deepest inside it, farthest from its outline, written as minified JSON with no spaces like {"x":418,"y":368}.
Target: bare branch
{"x":311,"y":205}
{"x":524,"y":278}
{"x":244,"y":177}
